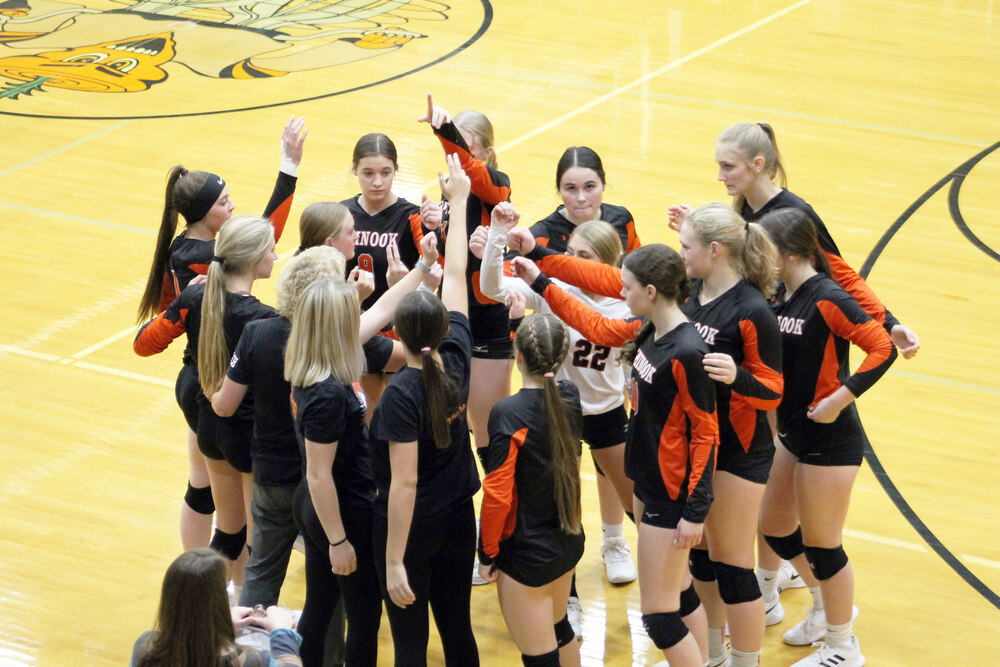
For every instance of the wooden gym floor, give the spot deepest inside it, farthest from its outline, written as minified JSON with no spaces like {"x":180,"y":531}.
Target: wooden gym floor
{"x":888,"y":116}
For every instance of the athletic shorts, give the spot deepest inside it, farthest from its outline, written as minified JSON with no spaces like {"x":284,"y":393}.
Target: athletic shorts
{"x":662,"y":513}
{"x":848,"y":452}
{"x":606,"y":429}
{"x":493,"y":348}
{"x":490,"y":328}
{"x":537,"y":564}
{"x":753,"y":466}
{"x":224,"y":439}
{"x":186,"y":389}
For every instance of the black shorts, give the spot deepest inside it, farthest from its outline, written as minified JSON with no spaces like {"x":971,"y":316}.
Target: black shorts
{"x":538,"y":564}
{"x":753,"y":466}
{"x":662,"y":513}
{"x":493,"y":348}
{"x":186,"y":389}
{"x":848,"y":452}
{"x":490,"y":331}
{"x":224,"y":439}
{"x":606,"y":429}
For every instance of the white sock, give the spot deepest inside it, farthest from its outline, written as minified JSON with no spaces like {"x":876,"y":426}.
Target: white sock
{"x":817,"y":596}
{"x":612,"y":530}
{"x":768,"y":581}
{"x":741,"y":659}
{"x":838,"y":635}
{"x":716,"y":643}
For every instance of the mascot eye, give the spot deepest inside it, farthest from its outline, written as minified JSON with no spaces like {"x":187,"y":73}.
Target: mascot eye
{"x":87,"y":58}
{"x":122,"y":64}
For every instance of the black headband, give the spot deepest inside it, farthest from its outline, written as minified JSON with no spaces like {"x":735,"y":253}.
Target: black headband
{"x":205,"y":199}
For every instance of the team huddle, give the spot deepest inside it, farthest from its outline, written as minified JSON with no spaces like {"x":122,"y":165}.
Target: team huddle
{"x":711,"y":385}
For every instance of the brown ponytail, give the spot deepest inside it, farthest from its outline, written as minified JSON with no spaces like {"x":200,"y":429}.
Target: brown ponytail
{"x":149,"y":305}
{"x":421,"y":322}
{"x":543,"y":340}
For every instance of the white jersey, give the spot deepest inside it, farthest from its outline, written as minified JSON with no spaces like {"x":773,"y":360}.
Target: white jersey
{"x":594,"y":369}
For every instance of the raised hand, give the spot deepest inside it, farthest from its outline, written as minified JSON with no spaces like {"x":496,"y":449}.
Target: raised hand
{"x":504,"y":216}
{"x":363,"y":281}
{"x":429,"y":249}
{"x":678,"y":214}
{"x":293,"y":139}
{"x":396,"y":269}
{"x":477,"y":242}
{"x":521,"y":240}
{"x":525,"y":269}
{"x":458,"y":185}
{"x":436,"y":116}
{"x":430,"y":213}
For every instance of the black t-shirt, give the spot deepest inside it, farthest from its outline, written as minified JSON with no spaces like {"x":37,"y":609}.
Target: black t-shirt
{"x":259,"y":362}
{"x":445,"y":477}
{"x":329,"y":412}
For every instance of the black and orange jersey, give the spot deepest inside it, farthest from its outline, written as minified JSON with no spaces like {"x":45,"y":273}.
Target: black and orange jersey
{"x":554,"y":231}
{"x":845,"y":276}
{"x":190,"y":257}
{"x":489,"y":188}
{"x":183,"y":315}
{"x":594,"y":277}
{"x":818,"y":323}
{"x":740,"y":323}
{"x":519,"y":511}
{"x":592,"y":325}
{"x":400,"y":224}
{"x":673,"y":433}
{"x":330,"y":412}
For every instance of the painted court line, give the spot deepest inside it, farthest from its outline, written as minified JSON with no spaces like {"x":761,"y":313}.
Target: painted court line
{"x":63,"y":149}
{"x":104,"y":343}
{"x":644,"y":79}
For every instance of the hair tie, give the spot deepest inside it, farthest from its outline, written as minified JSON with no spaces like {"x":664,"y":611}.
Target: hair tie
{"x":746,"y":226}
{"x":216,"y":258}
{"x":184,"y":172}
{"x":550,"y":374}
{"x":425,"y":349}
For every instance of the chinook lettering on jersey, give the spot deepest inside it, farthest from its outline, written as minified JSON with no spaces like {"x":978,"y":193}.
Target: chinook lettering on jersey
{"x":707,"y":332}
{"x":790,"y":325}
{"x":643,"y":368}
{"x":376,"y":239}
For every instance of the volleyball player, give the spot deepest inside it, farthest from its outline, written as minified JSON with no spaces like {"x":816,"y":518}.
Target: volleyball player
{"x":732,"y":263}
{"x":531,"y":534}
{"x":424,"y":468}
{"x":213,"y":315}
{"x":594,"y":369}
{"x":673,"y":435}
{"x":580,"y":182}
{"x":820,"y":437}
{"x":204,"y":202}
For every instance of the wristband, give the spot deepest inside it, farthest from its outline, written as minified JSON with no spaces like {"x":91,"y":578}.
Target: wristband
{"x":422,"y":266}
{"x":541,"y":282}
{"x":337,"y":544}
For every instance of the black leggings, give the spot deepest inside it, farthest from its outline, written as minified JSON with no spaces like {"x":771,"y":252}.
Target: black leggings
{"x":438,"y":562}
{"x":362,"y":599}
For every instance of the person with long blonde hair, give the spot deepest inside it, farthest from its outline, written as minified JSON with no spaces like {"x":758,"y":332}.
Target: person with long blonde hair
{"x":213,"y":315}
{"x":204,"y":201}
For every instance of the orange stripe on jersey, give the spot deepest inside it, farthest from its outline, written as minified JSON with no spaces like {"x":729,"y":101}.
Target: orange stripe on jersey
{"x":672,"y":452}
{"x":633,"y":238}
{"x":416,"y":229}
{"x":200,"y":269}
{"x":869,"y":336}
{"x":280,"y":217}
{"x":596,"y":277}
{"x":498,"y":515}
{"x":761,"y":372}
{"x":168,"y":291}
{"x":704,"y":430}
{"x":591,"y":324}
{"x":482,"y":183}
{"x":827,"y":381}
{"x":856,"y":286}
{"x":157,"y":335}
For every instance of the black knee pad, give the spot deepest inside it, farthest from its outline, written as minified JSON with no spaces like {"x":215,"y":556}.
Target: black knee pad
{"x":200,"y":500}
{"x":736,"y":584}
{"x":689,"y":601}
{"x":550,"y":659}
{"x":701,"y":565}
{"x":229,"y":545}
{"x":665,"y":629}
{"x":564,"y":632}
{"x":789,"y":546}
{"x":826,"y":562}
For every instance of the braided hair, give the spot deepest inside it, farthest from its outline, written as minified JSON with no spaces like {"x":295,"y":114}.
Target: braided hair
{"x":543,"y":341}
